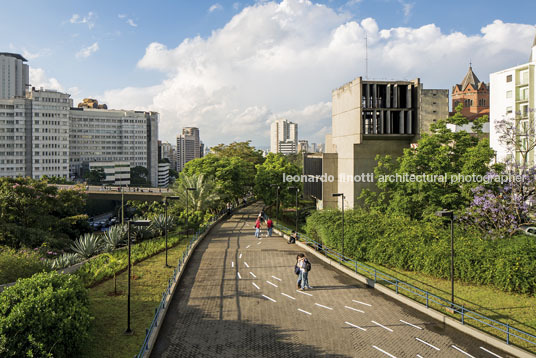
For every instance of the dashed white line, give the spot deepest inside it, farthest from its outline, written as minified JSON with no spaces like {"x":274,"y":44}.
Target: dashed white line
{"x":289,"y":296}
{"x":247,"y":247}
{"x":382,"y":326}
{"x":326,"y":307}
{"x":419,"y":356}
{"x":355,"y":326}
{"x":232,"y":263}
{"x":252,"y":274}
{"x":238,"y":273}
{"x":363,"y":303}
{"x":269,"y":298}
{"x":428,"y":344}
{"x":270,"y":283}
{"x":254,"y":284}
{"x":354,"y":309}
{"x":462,"y":351}
{"x":246,"y":264}
{"x":490,"y":352}
{"x":240,"y":256}
{"x":309,"y":313}
{"x":409,"y":324}
{"x":384,"y":352}
{"x":303,"y":293}
{"x":277,"y":278}
{"x":258,"y":243}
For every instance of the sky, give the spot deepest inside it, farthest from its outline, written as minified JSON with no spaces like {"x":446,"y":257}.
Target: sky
{"x":233,"y":67}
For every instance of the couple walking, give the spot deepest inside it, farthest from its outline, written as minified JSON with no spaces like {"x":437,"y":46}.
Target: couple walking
{"x":258,"y":225}
{"x":302,"y":268}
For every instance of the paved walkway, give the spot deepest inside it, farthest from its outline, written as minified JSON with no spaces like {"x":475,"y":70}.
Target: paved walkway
{"x":238,"y":298}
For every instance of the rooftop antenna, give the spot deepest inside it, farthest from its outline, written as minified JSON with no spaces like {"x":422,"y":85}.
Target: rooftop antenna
{"x":366,"y":56}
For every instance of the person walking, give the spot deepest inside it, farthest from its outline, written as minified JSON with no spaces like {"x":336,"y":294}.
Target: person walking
{"x":269,"y":226}
{"x":305,"y":275}
{"x":298,"y":270}
{"x":258,"y":227}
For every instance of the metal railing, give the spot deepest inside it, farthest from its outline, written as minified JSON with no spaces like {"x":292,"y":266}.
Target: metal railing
{"x":167,"y":292}
{"x":466,"y":316}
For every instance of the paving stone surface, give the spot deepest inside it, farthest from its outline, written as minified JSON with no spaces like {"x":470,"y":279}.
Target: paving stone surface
{"x":230,"y":303}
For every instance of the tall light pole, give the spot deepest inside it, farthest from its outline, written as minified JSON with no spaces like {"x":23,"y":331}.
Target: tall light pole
{"x":166,"y":223}
{"x":341,"y":195}
{"x":191,"y":189}
{"x":450,"y":215}
{"x":297,"y":191}
{"x":135,"y":223}
{"x":277,"y":199}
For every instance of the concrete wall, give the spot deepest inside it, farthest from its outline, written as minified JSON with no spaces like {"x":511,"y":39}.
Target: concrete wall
{"x":329,"y":167}
{"x":434,"y":105}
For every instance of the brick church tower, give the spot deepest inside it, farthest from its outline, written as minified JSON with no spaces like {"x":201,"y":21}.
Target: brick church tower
{"x":473,"y":94}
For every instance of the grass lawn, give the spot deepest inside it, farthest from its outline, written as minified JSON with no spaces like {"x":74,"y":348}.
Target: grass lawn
{"x":110,"y":312}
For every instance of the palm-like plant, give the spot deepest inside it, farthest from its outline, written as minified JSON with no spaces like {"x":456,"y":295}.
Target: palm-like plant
{"x":114,"y":237}
{"x":65,"y":260}
{"x":87,"y":246}
{"x":142,"y":232}
{"x":204,"y":198}
{"x":158,"y":223}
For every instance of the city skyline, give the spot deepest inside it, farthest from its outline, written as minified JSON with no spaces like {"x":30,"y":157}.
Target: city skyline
{"x":208,"y":65}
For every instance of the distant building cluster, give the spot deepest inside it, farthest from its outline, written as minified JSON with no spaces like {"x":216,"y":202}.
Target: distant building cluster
{"x":284,"y":139}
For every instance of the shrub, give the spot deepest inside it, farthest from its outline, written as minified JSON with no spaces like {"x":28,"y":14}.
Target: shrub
{"x":114,"y":237}
{"x":65,"y":260}
{"x":46,"y":315}
{"x":19,"y":264}
{"x":87,"y":246}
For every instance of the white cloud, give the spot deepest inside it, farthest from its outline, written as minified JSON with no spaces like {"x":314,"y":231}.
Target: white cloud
{"x":407,"y":7}
{"x":89,"y":19}
{"x":128,"y":20}
{"x":215,"y":7}
{"x":236,"y":5}
{"x":38,"y":79}
{"x":283,"y":59}
{"x":87,"y":51}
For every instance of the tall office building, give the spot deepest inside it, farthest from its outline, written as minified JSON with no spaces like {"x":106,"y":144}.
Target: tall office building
{"x":284,"y":137}
{"x":14,"y":75}
{"x":513,"y":98}
{"x":189,"y":146}
{"x":15,"y":137}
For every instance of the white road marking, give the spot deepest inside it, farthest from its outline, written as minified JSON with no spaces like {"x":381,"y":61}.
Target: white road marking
{"x":419,"y":356}
{"x":329,"y":308}
{"x":355,"y":326}
{"x":270,"y":283}
{"x":247,"y":247}
{"x":252,"y":274}
{"x":428,"y":344}
{"x":278,"y":279}
{"x":245,"y":263}
{"x":232,"y":263}
{"x":409,"y":324}
{"x":240,"y":256}
{"x":363,"y":303}
{"x":303,"y":293}
{"x":271,"y":299}
{"x":384,"y":352}
{"x":258,"y":243}
{"x":284,"y":294}
{"x":254,"y":284}
{"x":354,"y":309}
{"x":309,"y":313}
{"x":490,"y":352}
{"x":238,"y":273}
{"x":462,"y":351}
{"x":382,"y":326}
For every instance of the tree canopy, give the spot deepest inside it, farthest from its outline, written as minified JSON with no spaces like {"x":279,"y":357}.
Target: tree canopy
{"x":270,"y":174}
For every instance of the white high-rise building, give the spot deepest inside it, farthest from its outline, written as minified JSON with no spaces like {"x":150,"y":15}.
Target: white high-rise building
{"x":15,"y":137}
{"x":14,"y":75}
{"x":513,"y":98}
{"x":189,"y":146}
{"x":283,"y":137}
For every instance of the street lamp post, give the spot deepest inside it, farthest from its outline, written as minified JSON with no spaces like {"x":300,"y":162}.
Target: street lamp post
{"x":297,"y":191}
{"x":450,"y":215}
{"x":341,"y":195}
{"x":135,"y":223}
{"x":191,"y":189}
{"x":166,"y":223}
{"x":277,"y":199}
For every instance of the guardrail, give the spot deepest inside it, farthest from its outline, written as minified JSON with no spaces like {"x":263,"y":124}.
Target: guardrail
{"x":158,"y":310}
{"x":503,"y":330}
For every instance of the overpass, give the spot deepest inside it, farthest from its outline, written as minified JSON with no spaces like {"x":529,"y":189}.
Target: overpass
{"x":118,"y":192}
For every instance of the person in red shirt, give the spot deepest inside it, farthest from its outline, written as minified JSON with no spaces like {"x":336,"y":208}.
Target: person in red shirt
{"x":269,"y":225}
{"x":258,"y":227}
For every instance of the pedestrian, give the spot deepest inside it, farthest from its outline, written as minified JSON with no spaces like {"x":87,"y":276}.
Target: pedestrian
{"x":297,"y":271}
{"x":305,"y":275}
{"x":292,"y":238}
{"x":258,"y":228}
{"x":269,"y":226}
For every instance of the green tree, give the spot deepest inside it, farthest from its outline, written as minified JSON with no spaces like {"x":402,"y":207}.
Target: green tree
{"x":242,"y":150}
{"x":274,"y":171}
{"x":95,"y":176}
{"x":139,"y":176}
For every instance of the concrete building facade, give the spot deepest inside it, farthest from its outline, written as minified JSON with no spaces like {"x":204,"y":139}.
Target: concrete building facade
{"x":513,"y":98}
{"x":14,"y":75}
{"x":163,"y":175}
{"x":284,"y":137}
{"x":371,"y":118}
{"x":189,"y":147}
{"x":116,"y":173}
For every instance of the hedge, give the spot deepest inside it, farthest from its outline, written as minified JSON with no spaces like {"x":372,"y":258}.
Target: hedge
{"x":46,"y":315}
{"x":399,"y":242}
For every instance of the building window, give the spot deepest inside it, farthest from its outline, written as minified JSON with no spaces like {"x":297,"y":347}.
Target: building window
{"x":508,"y":94}
{"x":509,"y":110}
{"x":524,"y":77}
{"x":509,"y":78}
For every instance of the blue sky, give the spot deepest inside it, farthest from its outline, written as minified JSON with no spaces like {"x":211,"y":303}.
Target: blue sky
{"x":102,"y":49}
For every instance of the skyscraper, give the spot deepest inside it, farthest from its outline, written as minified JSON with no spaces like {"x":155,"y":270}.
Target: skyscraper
{"x":283,"y":137}
{"x":14,"y":75}
{"x":189,"y":146}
